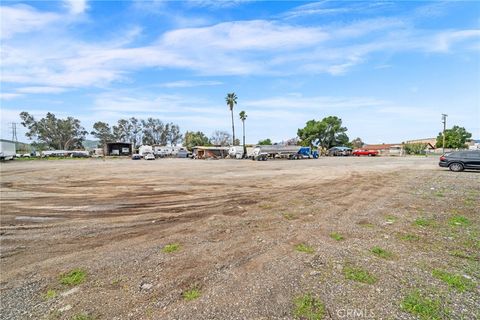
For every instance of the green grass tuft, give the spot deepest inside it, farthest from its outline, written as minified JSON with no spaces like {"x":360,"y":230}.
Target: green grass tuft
{"x":191,"y":294}
{"x":50,"y":294}
{"x":74,"y":277}
{"x":381,"y":253}
{"x":454,"y":280}
{"x":423,"y":222}
{"x":172,"y":247}
{"x":391,"y":219}
{"x":304,"y":248}
{"x":458,"y":220}
{"x":410,"y":237}
{"x":336,"y":236}
{"x":288,"y":216}
{"x":307,"y":307}
{"x":83,"y":316}
{"x":425,"y":308}
{"x":358,"y":274}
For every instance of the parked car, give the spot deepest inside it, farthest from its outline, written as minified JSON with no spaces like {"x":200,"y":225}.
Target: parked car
{"x":459,"y":160}
{"x":361,"y":152}
{"x":136,"y":157}
{"x":339,"y":151}
{"x":26,"y":155}
{"x":149,"y":156}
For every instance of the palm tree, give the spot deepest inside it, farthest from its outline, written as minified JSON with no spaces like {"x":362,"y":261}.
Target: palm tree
{"x":231,"y":101}
{"x":243,"y":117}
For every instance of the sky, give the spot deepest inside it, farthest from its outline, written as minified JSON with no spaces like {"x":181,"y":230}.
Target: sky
{"x":387,"y":69}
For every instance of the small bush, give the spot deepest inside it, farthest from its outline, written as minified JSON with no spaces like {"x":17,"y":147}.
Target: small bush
{"x":423,"y":222}
{"x":410,"y":237}
{"x":307,"y":307}
{"x":73,"y":277}
{"x":457,"y":221}
{"x":50,"y":294}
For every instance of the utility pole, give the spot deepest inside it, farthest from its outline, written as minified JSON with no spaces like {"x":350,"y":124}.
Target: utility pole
{"x":14,"y":132}
{"x":444,"y":120}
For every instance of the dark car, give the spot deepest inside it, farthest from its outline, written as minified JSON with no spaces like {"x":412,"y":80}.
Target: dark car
{"x":136,"y":157}
{"x":460,"y":160}
{"x":339,"y":151}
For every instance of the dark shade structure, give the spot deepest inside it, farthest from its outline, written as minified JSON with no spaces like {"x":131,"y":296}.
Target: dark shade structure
{"x":118,"y":149}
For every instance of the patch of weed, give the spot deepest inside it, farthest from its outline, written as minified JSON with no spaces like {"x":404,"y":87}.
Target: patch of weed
{"x":304,"y":248}
{"x":265,"y":206}
{"x":425,"y":308}
{"x":82,"y":316}
{"x":50,"y":294}
{"x":458,"y":220}
{"x":454,"y":280}
{"x":381,"y":253}
{"x":74,"y":277}
{"x":440,"y":194}
{"x":391,"y":219}
{"x":288,"y":216}
{"x":358,"y":274}
{"x":191,"y":294}
{"x":461,"y":254}
{"x":410,"y":237}
{"x":172,"y":247}
{"x":308,"y":307}
{"x":336,"y":236}
{"x":423,"y":222}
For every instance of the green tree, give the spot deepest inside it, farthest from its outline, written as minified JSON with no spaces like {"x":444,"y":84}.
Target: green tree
{"x":194,"y":139}
{"x":454,"y":138}
{"x":415,"y":148}
{"x":265,"y":142}
{"x":152,"y":131}
{"x":231,"y":100}
{"x":326,"y":133}
{"x":59,"y":134}
{"x":103,"y":132}
{"x":357,"y":143}
{"x":243,"y":117}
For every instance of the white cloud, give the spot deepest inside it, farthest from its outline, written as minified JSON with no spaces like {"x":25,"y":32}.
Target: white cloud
{"x":76,"y":6}
{"x":41,"y":90}
{"x":188,"y":84}
{"x":22,"y":19}
{"x":9,"y":95}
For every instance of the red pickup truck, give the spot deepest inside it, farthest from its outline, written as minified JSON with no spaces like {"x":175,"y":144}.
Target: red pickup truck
{"x":361,"y":152}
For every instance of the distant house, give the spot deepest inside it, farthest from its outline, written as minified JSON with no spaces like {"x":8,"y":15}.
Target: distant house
{"x":386,"y":149}
{"x":430,"y":142}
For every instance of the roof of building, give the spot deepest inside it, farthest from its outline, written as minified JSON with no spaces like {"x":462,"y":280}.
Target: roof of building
{"x":382,"y":146}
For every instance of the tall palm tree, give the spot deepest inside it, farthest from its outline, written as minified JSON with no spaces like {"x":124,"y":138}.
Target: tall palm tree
{"x":231,"y":101}
{"x":243,"y":117}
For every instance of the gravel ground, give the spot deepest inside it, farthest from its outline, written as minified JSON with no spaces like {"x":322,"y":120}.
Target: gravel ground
{"x":237,"y":225}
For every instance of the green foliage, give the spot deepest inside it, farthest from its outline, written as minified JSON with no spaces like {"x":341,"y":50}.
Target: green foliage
{"x":307,"y":307}
{"x":454,"y":280}
{"x":265,"y":142}
{"x":172,"y":247}
{"x":454,"y":138}
{"x":410,"y":237}
{"x":304,"y":248}
{"x":425,"y":308}
{"x":191,"y":294}
{"x":415,"y":148}
{"x":358,"y":274}
{"x":59,"y":134}
{"x":423,"y":222}
{"x":103,"y":132}
{"x":83,"y":316}
{"x":336,"y":236}
{"x":50,"y":294}
{"x":381,"y":253}
{"x":231,"y":100}
{"x":194,"y":139}
{"x":154,"y":131}
{"x":356,"y":143}
{"x":74,"y":277}
{"x":458,"y":220}
{"x":326,"y":133}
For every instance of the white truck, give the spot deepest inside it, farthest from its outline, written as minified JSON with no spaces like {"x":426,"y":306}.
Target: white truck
{"x":263,"y":152}
{"x":144,"y":150}
{"x":236,"y":152}
{"x":7,"y":150}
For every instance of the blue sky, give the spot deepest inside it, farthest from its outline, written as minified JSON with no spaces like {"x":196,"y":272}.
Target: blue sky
{"x":388,"y":69}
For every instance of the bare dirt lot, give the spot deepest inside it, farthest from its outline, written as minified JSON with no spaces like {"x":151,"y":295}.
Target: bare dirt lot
{"x":338,"y":238}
